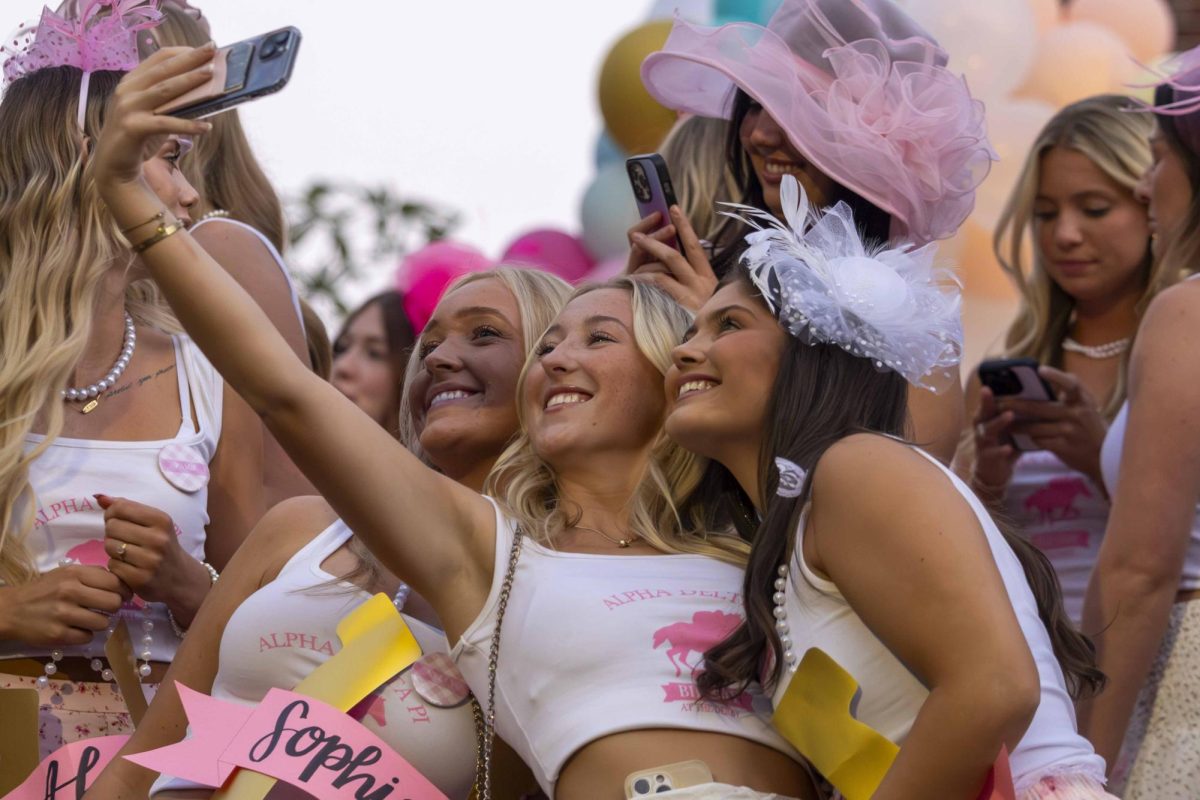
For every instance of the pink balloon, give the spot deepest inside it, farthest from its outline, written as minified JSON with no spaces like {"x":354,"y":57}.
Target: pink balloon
{"x":423,"y":276}
{"x":608,"y":268}
{"x":553,"y":251}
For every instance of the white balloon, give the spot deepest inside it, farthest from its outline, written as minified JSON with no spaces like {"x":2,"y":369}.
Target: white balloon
{"x":608,"y":212}
{"x":1077,"y":60}
{"x":1146,"y":26}
{"x":1013,"y":125}
{"x":990,"y":41}
{"x":699,"y":11}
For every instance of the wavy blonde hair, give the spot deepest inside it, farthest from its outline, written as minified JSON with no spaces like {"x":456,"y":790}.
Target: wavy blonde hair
{"x":526,"y":486}
{"x":221,"y":165}
{"x":539,"y":295}
{"x":1118,"y":143}
{"x":695,"y":154}
{"x":57,"y":243}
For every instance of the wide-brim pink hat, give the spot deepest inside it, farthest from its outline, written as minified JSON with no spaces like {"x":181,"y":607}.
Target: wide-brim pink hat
{"x":862,"y":92}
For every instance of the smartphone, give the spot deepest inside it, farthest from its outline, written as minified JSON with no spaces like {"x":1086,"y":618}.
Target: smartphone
{"x":1019,"y":378}
{"x":243,"y":72}
{"x":666,"y":778}
{"x":652,"y":189}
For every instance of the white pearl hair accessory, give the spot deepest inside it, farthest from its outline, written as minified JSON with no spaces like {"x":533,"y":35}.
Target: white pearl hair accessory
{"x":781,"y":623}
{"x":92,"y":391}
{"x":791,"y":478}
{"x":825,"y":285}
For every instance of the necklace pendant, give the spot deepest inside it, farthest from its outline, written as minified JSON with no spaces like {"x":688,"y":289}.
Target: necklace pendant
{"x":90,"y":407}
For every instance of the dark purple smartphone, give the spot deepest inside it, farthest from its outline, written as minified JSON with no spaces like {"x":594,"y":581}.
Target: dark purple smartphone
{"x":652,"y":188}
{"x":1016,"y":377}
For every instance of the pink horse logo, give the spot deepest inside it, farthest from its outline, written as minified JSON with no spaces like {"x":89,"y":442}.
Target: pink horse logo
{"x":90,"y":553}
{"x":706,"y":629}
{"x":1056,"y":500}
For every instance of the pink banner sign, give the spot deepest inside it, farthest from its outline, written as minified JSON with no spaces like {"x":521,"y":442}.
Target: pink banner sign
{"x":69,"y":771}
{"x":291,"y":738}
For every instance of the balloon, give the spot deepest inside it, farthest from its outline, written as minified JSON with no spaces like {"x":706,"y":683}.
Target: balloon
{"x":424,"y":274}
{"x":636,"y":122}
{"x":607,"y":151}
{"x":698,"y":11}
{"x":553,"y":251}
{"x":971,"y":252}
{"x":608,"y":212}
{"x":608,"y":268}
{"x":989,"y":41}
{"x":1077,"y":60}
{"x":757,"y":11}
{"x":1012,"y":127}
{"x":1146,"y":26}
{"x":1046,"y":14}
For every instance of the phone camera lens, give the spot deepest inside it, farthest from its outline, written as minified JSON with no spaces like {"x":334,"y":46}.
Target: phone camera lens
{"x":269,"y":50}
{"x":662,"y":789}
{"x":641,"y":786}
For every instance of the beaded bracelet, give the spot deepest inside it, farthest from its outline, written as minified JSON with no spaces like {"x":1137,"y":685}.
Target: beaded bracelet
{"x":179,"y":631}
{"x":161,"y":232}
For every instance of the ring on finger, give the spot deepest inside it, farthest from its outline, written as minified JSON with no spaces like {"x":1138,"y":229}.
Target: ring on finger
{"x":121,"y":550}
{"x":980,"y":430}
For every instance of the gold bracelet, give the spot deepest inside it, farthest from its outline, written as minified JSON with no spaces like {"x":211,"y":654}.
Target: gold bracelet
{"x":162,"y":232}
{"x":133,"y":228}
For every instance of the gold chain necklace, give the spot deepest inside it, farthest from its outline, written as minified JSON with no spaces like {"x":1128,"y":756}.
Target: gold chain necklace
{"x":613,"y":539}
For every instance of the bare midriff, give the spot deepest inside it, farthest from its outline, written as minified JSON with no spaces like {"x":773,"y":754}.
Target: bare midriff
{"x":597,"y":771}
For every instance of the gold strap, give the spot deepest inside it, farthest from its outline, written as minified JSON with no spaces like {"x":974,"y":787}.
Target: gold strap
{"x":155,"y":218}
{"x":161,"y":232}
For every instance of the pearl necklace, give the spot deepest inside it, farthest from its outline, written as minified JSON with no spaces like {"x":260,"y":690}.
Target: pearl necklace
{"x":90,"y":394}
{"x":1098,"y":351}
{"x":781,"y":623}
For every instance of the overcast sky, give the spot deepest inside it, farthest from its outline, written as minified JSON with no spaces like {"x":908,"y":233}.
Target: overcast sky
{"x":487,"y":108}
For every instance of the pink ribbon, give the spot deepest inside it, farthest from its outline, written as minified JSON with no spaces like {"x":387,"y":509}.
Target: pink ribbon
{"x":292,"y":738}
{"x":69,"y":770}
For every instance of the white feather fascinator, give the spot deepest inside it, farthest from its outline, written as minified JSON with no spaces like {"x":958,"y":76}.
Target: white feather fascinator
{"x":825,"y":285}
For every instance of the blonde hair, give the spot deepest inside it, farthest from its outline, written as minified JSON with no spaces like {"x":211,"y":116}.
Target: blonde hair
{"x":539,"y":295}
{"x":221,"y":165}
{"x":528,"y":489}
{"x":1117,"y":142}
{"x":695,"y":154}
{"x":57,"y":243}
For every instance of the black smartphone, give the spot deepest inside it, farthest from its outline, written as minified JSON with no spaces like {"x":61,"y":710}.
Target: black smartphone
{"x":245,"y":71}
{"x":1019,"y":378}
{"x":652,"y":189}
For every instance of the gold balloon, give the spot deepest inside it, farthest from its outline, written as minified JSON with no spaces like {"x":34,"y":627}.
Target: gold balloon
{"x":635,"y":121}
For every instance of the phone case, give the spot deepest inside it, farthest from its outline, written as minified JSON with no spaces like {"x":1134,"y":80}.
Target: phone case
{"x":1016,"y":377}
{"x":681,"y":775}
{"x":652,"y":189}
{"x":242,"y":72}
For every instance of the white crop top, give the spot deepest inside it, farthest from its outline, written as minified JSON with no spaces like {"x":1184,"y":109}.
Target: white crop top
{"x":286,"y":629}
{"x":1110,"y":466}
{"x":279,"y":262}
{"x":891,"y":695}
{"x":1063,"y":514}
{"x":595,"y":645}
{"x":69,"y":523}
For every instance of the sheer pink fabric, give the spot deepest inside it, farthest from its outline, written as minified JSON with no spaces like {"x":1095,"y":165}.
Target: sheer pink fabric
{"x":100,"y":37}
{"x":861,"y":91}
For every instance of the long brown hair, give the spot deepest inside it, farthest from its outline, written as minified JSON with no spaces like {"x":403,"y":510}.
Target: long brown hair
{"x":400,"y":338}
{"x":821,"y":395}
{"x":222,"y":165}
{"x":1181,"y":254}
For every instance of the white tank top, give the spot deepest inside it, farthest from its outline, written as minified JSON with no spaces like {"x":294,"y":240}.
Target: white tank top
{"x":69,"y":523}
{"x":288,"y":628}
{"x":594,"y":645}
{"x":1063,"y":514}
{"x":275,"y":254}
{"x":1110,"y":466}
{"x":891,"y":695}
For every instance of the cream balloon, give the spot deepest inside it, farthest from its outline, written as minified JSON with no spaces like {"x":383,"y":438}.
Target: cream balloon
{"x":988,"y":41}
{"x":1146,"y":26}
{"x":1077,"y":60}
{"x":1012,"y":127}
{"x":1046,"y":14}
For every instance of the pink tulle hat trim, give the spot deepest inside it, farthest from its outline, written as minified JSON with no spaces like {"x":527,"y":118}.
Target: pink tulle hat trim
{"x":861,"y":91}
{"x":93,"y":35}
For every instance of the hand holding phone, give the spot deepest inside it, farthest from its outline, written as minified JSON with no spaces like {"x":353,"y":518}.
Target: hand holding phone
{"x":652,"y":189}
{"x":1017,"y":378}
{"x":242,"y":72}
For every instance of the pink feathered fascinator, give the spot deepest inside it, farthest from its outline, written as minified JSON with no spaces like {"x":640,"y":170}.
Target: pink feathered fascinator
{"x":90,"y":35}
{"x":1181,"y":75}
{"x":861,"y":90}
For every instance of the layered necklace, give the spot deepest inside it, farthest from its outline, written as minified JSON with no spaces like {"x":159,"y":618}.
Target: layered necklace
{"x":1097,"y":351}
{"x":90,"y":395}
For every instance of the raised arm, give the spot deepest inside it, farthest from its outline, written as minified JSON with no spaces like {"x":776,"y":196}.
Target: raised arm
{"x":1138,"y":570}
{"x":433,"y":533}
{"x":911,"y":559}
